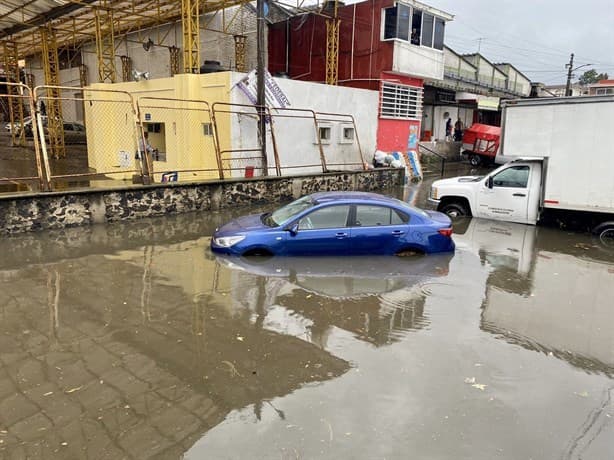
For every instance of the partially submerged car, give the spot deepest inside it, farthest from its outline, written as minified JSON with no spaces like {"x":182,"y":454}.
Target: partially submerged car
{"x":337,"y":223}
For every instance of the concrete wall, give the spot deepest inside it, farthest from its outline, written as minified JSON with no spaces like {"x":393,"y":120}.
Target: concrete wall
{"x":296,"y":138}
{"x":418,"y":61}
{"x":87,"y":207}
{"x":214,"y":44}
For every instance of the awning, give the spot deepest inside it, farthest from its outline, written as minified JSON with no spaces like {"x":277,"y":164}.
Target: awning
{"x":488,"y":103}
{"x":483,"y":102}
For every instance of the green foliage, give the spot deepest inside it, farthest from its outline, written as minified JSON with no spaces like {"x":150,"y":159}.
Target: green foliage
{"x":591,"y":76}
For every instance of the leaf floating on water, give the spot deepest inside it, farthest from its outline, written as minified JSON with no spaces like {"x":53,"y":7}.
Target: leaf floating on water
{"x":470,"y":380}
{"x":239,"y":338}
{"x":48,"y":393}
{"x":309,"y":296}
{"x":582,"y":394}
{"x":479,"y":386}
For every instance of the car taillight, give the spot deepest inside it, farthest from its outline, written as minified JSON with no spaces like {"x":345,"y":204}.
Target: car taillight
{"x":445,"y":231}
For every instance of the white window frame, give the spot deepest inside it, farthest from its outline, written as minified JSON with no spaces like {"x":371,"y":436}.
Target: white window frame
{"x":330,"y":137}
{"x":342,"y":138}
{"x":208,"y":129}
{"x":400,"y":102}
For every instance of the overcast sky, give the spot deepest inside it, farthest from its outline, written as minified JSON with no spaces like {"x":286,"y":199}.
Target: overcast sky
{"x":536,"y":36}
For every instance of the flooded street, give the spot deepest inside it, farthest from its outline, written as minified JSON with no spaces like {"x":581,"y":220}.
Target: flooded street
{"x":135,"y":341}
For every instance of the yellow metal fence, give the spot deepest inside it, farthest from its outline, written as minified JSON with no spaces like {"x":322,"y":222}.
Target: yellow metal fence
{"x":67,"y":137}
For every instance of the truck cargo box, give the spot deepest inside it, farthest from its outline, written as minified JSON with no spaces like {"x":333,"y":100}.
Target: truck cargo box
{"x":574,"y":134}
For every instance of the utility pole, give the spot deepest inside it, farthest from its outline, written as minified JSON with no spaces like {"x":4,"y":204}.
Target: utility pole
{"x":260,"y":99}
{"x":570,"y":65}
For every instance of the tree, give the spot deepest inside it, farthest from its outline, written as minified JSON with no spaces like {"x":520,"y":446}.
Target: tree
{"x":591,"y":76}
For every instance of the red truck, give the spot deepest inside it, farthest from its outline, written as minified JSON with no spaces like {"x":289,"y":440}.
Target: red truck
{"x":481,"y":143}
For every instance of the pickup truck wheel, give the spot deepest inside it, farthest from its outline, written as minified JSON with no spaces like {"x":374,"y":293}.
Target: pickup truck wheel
{"x":455,"y":210}
{"x":606,"y":236}
{"x":475,"y":160}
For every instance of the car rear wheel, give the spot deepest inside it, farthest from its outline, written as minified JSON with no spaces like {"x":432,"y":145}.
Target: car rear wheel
{"x":455,"y":210}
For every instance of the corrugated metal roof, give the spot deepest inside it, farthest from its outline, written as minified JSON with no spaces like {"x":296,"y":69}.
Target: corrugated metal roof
{"x":74,"y":21}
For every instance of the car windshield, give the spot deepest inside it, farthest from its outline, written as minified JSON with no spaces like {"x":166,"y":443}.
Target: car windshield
{"x":288,"y":211}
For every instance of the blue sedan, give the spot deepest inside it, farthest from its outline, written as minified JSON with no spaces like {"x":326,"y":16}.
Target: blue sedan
{"x":337,"y":223}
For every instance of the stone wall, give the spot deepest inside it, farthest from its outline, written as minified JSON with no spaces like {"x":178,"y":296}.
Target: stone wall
{"x":86,"y":207}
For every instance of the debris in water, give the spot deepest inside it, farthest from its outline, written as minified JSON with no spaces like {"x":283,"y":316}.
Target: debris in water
{"x":72,"y":390}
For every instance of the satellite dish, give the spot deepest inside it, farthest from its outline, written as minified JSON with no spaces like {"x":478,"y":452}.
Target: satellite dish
{"x":138,"y":76}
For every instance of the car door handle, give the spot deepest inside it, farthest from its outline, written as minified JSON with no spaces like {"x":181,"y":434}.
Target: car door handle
{"x":520,"y":194}
{"x":341,"y":235}
{"x":397,"y":232}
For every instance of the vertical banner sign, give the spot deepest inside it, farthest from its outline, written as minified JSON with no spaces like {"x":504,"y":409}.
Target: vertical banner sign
{"x":413,"y":161}
{"x":274,"y":95}
{"x":412,"y":141}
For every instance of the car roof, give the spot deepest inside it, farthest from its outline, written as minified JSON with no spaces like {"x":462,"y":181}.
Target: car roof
{"x":324,"y":197}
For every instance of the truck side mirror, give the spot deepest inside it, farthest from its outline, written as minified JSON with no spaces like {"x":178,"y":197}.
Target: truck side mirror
{"x":489,"y":182}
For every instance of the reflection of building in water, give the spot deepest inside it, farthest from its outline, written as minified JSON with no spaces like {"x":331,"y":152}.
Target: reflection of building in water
{"x":90,"y":365}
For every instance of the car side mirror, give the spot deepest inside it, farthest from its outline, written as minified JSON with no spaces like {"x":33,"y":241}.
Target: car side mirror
{"x":489,"y":182}
{"x":293,"y":229}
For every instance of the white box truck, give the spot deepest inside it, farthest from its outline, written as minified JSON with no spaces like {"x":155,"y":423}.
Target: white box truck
{"x":561,"y":168}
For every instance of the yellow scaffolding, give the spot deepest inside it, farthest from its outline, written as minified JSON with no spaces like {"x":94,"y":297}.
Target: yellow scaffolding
{"x":174,"y":57}
{"x":332,"y":47}
{"x":240,"y":53}
{"x":105,"y":43}
{"x":83,"y":75}
{"x":190,"y":17}
{"x":55,"y":126}
{"x":126,"y":68}
{"x":11,"y":69}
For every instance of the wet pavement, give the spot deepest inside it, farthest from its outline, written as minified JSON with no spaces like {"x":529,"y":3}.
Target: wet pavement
{"x":135,"y":341}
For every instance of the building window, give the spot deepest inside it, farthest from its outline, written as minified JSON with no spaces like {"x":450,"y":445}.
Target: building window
{"x":401,"y":102}
{"x":207,"y":129}
{"x":324,"y":133}
{"x":427,"y":29}
{"x":402,"y":22}
{"x":347,"y":134}
{"x":440,"y":25}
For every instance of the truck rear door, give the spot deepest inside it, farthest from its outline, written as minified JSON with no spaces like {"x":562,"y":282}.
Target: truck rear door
{"x":508,"y":198}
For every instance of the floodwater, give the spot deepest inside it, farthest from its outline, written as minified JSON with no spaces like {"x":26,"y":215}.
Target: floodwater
{"x":135,"y":341}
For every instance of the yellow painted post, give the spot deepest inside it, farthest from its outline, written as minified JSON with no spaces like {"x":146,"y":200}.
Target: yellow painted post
{"x":55,"y":126}
{"x":11,"y":69}
{"x":190,"y":17}
{"x":332,"y":47}
{"x":105,"y":43}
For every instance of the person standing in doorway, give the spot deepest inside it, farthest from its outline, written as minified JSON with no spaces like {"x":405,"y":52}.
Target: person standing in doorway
{"x":449,"y":129}
{"x":458,"y":130}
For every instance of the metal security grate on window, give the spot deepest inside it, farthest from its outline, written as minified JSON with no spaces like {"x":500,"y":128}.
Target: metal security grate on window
{"x":401,"y":102}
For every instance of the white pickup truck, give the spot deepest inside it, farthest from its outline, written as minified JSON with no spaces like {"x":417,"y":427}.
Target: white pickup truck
{"x":561,"y":168}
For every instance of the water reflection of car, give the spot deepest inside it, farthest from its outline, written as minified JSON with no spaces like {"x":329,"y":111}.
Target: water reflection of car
{"x":334,"y":277}
{"x":337,"y":223}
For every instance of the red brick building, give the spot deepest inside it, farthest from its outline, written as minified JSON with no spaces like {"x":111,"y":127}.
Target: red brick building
{"x":388,"y":46}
